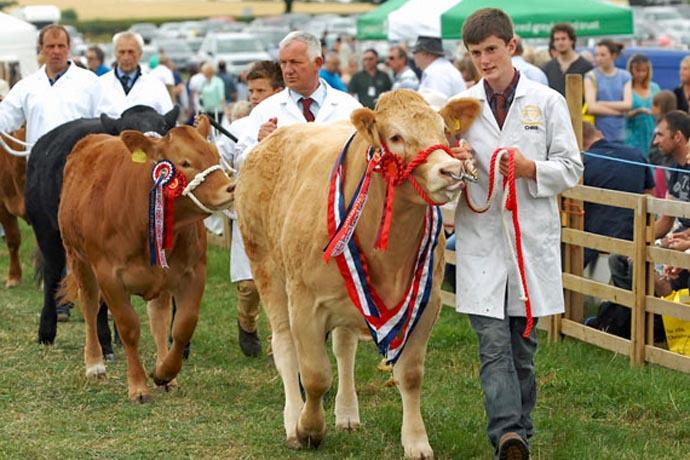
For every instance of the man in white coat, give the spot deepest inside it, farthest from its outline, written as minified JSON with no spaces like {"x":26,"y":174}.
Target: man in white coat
{"x":58,"y":92}
{"x":306,"y":98}
{"x":533,"y":121}
{"x":264,"y":79}
{"x":126,"y":86}
{"x":438,"y":73}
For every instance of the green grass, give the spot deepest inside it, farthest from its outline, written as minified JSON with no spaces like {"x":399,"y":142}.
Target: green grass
{"x":591,"y":404}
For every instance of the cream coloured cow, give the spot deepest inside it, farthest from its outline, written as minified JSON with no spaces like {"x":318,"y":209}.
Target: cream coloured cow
{"x":282,"y":198}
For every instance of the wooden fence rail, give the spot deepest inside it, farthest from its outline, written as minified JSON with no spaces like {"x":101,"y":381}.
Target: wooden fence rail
{"x":640,"y":299}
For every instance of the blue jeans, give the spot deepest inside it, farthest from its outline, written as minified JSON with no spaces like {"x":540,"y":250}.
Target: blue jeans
{"x":506,"y":374}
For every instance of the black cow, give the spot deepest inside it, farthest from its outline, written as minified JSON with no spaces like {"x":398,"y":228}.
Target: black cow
{"x":42,"y":195}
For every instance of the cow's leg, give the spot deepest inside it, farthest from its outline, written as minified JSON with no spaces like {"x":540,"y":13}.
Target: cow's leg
{"x":129,"y":328}
{"x":104,"y":337}
{"x":53,"y":255}
{"x":308,"y":332}
{"x":13,"y":238}
{"x":89,"y":305}
{"x":409,"y":372}
{"x":159,"y":312}
{"x":346,"y":404}
{"x":274,"y":300}
{"x":187,"y":299}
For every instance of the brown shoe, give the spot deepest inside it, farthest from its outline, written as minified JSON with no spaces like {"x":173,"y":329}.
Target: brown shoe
{"x":512,"y":447}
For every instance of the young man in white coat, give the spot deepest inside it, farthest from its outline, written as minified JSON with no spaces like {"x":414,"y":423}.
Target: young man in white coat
{"x":306,"y":97}
{"x":58,"y":92}
{"x":534,"y":123}
{"x":126,"y":86}
{"x":264,"y":79}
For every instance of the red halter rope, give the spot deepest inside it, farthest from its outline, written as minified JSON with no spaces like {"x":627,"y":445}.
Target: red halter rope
{"x":395,"y":172}
{"x":511,"y":204}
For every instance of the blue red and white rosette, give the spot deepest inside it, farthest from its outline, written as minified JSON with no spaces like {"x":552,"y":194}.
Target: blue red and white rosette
{"x":167,"y":185}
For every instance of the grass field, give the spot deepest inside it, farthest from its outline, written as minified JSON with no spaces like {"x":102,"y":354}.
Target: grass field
{"x":123,"y":9}
{"x":591,"y":405}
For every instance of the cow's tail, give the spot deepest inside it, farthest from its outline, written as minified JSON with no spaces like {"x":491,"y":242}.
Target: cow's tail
{"x":69,"y":289}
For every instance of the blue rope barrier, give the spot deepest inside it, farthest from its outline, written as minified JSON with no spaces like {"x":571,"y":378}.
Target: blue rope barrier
{"x":636,"y":163}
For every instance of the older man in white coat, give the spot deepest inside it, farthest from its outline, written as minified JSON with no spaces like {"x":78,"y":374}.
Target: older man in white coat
{"x":532,"y":120}
{"x":58,"y":92}
{"x":306,"y":98}
{"x":126,"y":86}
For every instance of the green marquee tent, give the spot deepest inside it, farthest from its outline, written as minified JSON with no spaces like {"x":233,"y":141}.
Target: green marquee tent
{"x":406,"y":19}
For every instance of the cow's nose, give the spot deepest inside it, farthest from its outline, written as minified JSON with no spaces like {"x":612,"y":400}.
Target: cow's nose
{"x":451,"y":169}
{"x":231,"y":188}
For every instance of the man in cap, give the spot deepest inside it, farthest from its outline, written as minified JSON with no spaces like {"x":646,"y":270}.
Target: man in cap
{"x":438,"y":73}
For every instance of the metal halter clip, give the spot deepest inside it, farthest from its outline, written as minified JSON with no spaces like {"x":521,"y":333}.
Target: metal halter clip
{"x":465,"y":176}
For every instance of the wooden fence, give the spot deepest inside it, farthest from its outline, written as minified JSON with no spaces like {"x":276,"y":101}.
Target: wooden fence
{"x":640,"y":299}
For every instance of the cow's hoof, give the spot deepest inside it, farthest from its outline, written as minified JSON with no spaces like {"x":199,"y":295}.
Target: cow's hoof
{"x":294,"y":443}
{"x":140,"y":397}
{"x":310,"y":440}
{"x":12,"y":282}
{"x":96,"y":371}
{"x":160,"y":382}
{"x":170,"y":386}
{"x":46,"y":339}
{"x":110,"y":357}
{"x":419,"y":452}
{"x":347,"y":424}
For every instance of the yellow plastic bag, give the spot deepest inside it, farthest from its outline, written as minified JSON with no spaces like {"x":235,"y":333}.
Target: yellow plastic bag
{"x":678,"y":330}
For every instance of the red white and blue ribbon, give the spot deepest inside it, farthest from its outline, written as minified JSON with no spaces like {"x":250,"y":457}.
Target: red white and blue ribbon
{"x":389,"y":327}
{"x":167,"y":186}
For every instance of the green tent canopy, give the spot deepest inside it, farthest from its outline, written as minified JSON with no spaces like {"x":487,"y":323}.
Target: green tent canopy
{"x":405,"y":19}
{"x":374,"y":24}
{"x":534,"y":18}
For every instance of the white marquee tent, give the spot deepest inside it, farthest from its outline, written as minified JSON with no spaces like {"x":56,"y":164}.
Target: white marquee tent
{"x":18,"y":43}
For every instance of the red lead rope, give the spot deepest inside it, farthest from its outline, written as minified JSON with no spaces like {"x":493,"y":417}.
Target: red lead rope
{"x":512,"y":206}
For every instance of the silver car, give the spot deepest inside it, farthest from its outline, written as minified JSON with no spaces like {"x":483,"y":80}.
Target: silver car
{"x":237,"y":49}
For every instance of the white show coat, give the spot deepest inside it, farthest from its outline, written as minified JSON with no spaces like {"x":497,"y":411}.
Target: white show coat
{"x":442,"y":76}
{"x":337,"y":106}
{"x":538,"y":124}
{"x":147,"y":90}
{"x":43,"y":107}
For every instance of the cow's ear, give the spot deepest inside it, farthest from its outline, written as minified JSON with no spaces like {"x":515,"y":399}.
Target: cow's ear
{"x":171,"y":117}
{"x":459,"y":114}
{"x":136,"y":140}
{"x":110,"y":125}
{"x":364,"y":120}
{"x":203,"y":126}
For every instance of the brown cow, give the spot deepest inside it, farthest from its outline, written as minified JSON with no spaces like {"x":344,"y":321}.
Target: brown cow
{"x":103,"y":218}
{"x":281,"y":201}
{"x":12,"y":180}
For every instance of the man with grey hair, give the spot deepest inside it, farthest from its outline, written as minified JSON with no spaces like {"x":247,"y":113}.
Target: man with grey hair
{"x":306,"y":98}
{"x":126,"y":86}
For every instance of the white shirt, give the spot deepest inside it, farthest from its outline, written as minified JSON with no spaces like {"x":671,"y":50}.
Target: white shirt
{"x":43,"y":107}
{"x":147,"y":90}
{"x":337,"y":106}
{"x":164,"y":74}
{"x":530,"y":71}
{"x":406,"y":79}
{"x":538,"y":123}
{"x":442,"y":76}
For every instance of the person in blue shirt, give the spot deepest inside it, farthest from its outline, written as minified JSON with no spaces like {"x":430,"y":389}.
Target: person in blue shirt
{"x":94,"y":60}
{"x":330,"y":71}
{"x":613,"y":175}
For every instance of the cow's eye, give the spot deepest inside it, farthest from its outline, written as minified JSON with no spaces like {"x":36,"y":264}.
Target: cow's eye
{"x":186,"y":164}
{"x":396,"y":138}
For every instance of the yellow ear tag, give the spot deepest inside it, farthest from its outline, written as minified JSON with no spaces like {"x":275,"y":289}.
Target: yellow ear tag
{"x":457,"y":125}
{"x":138,"y":156}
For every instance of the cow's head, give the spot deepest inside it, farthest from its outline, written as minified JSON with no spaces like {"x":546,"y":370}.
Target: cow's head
{"x":406,"y":125}
{"x":208,"y":185}
{"x":142,"y":118}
